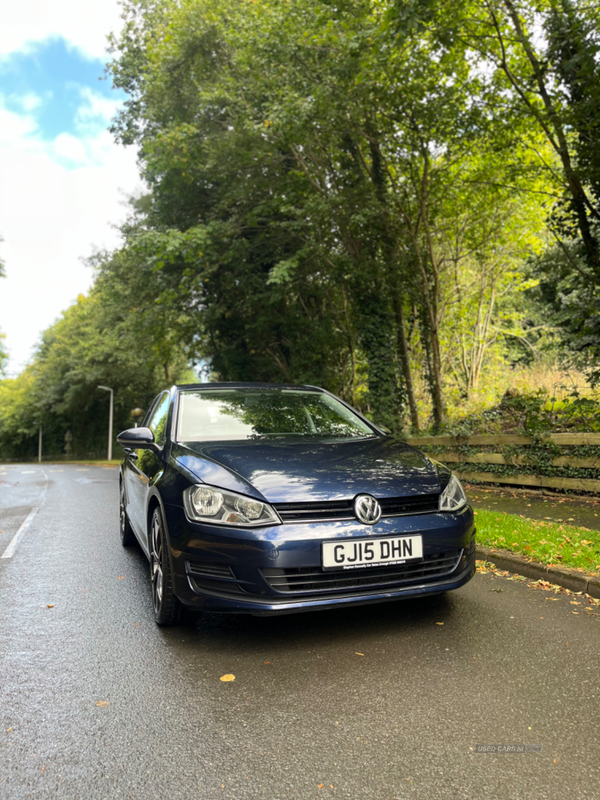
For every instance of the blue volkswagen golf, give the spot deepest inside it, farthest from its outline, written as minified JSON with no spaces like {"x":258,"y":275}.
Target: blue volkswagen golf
{"x":268,"y":499}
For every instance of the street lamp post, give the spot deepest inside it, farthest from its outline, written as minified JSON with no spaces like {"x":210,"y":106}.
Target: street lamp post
{"x":110,"y":419}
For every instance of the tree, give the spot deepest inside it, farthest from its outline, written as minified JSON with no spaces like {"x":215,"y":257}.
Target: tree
{"x":94,"y":342}
{"x":544,"y":55}
{"x":305,"y":150}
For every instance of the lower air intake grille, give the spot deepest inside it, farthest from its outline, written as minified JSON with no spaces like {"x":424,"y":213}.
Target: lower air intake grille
{"x":211,"y":577}
{"x":305,"y":580}
{"x":210,"y":570}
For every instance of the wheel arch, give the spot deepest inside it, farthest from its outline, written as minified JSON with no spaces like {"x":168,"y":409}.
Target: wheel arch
{"x":154,"y":501}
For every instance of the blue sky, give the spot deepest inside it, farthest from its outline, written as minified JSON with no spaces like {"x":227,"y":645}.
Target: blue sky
{"x":64,"y":182}
{"x":48,"y":80}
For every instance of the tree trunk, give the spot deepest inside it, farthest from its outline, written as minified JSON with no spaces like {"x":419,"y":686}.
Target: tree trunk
{"x":402,"y":346}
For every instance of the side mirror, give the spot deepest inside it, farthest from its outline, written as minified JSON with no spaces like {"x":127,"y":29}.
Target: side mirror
{"x":138,"y":439}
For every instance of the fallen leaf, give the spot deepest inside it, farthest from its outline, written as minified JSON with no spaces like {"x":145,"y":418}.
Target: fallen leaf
{"x":358,"y":654}
{"x":267,"y":662}
{"x":228,"y":677}
{"x":321,"y":785}
{"x":102,"y":703}
{"x":121,"y":578}
{"x":439,"y":623}
{"x":50,"y":605}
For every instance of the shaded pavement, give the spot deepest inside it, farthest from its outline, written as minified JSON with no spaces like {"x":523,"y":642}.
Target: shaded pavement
{"x":584,"y":511}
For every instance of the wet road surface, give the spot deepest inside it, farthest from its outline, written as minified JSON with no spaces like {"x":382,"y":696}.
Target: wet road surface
{"x":378,"y":702}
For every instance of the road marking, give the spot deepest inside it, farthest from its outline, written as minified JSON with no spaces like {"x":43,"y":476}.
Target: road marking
{"x":27,"y":471}
{"x":19,"y":534}
{"x":14,"y":542}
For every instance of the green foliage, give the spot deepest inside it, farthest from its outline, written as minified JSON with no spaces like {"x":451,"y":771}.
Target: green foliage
{"x":93,"y":343}
{"x":357,"y":195}
{"x":321,"y":156}
{"x":532,"y":413}
{"x":540,"y":540}
{"x":544,"y":58}
{"x":569,"y":294}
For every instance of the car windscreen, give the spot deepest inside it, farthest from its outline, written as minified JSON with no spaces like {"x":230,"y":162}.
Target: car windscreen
{"x":230,"y":414}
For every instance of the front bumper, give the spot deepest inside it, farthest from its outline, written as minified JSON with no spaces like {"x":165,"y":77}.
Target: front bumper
{"x":229,"y":570}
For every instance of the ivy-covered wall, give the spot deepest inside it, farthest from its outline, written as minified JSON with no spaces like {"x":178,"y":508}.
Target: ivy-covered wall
{"x":542,"y":457}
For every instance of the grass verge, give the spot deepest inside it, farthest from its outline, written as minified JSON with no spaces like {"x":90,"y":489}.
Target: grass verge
{"x":99,"y":462}
{"x":83,"y":462}
{"x":547,"y":542}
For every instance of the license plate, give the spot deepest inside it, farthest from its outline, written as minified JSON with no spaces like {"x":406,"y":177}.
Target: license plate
{"x":371,"y":552}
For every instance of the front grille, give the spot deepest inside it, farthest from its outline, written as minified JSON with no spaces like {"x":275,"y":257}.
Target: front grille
{"x":421,"y":504}
{"x":212,"y":577}
{"x":344,"y":509}
{"x":313,"y":512}
{"x":303,"y":580}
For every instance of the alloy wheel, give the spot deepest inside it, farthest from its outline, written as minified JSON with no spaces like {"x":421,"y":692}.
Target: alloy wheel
{"x":156,"y":563}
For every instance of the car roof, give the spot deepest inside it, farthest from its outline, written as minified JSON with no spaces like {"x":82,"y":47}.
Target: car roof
{"x":241,"y":385}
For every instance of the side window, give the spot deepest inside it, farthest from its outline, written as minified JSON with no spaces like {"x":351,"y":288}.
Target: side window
{"x":150,"y":411}
{"x":158,"y":421}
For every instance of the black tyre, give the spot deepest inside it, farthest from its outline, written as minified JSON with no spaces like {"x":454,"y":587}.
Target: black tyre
{"x":126,"y":531}
{"x":167,"y":608}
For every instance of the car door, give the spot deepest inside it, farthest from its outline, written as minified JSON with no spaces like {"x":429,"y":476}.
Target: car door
{"x":131,"y":473}
{"x":146,"y":465}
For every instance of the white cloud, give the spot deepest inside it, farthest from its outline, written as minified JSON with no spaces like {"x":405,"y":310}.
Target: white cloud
{"x":85,"y":25}
{"x":58,"y":201}
{"x":95,"y":110}
{"x":28,"y":102}
{"x":69,"y":150}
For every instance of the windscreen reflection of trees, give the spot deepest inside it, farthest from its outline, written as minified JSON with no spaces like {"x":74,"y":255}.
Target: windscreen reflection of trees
{"x":267,"y":414}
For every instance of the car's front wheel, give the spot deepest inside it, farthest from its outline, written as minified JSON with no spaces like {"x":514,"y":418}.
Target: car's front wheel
{"x":167,"y":608}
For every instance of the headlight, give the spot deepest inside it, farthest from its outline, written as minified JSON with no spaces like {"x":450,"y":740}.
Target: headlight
{"x":453,"y":497}
{"x":209,"y":504}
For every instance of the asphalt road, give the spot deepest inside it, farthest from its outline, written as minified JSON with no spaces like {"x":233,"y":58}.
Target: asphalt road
{"x":97,"y":702}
